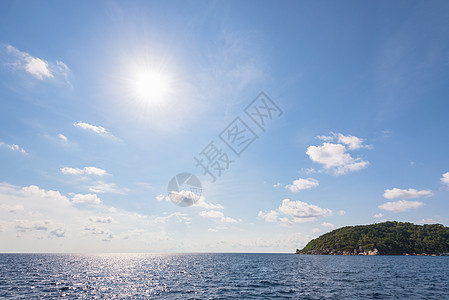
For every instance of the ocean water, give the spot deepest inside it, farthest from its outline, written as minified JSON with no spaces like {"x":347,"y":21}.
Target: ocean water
{"x":222,"y":276}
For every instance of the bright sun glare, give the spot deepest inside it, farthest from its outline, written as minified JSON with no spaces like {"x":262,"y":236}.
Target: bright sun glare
{"x":151,"y":86}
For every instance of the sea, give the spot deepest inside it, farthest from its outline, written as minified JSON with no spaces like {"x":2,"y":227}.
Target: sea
{"x":222,"y":276}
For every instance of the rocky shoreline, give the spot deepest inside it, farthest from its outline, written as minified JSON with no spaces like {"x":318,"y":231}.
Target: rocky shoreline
{"x":327,"y":251}
{"x":361,"y":251}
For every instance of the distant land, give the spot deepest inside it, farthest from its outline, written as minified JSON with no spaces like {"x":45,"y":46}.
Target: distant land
{"x":387,"y":238}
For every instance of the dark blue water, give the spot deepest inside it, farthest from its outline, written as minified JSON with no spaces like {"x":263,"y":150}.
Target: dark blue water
{"x":222,"y":276}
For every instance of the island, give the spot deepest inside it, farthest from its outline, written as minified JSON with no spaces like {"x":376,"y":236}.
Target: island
{"x":387,"y":238}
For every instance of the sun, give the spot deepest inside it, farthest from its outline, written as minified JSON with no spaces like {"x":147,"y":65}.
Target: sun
{"x":150,"y":85}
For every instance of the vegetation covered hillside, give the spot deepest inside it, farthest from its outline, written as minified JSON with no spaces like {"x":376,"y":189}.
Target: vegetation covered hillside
{"x":388,"y":238}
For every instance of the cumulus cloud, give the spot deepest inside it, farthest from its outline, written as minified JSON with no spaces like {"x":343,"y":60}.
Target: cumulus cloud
{"x":302,"y":211}
{"x":217,"y":215}
{"x":277,"y":185}
{"x":48,"y":216}
{"x":302,"y":184}
{"x":86,"y":198}
{"x":13,"y":147}
{"x":335,"y":159}
{"x":95,"y":129}
{"x":37,"y":67}
{"x":405,"y":194}
{"x":84,"y":171}
{"x":295,"y":212}
{"x":445,"y":179}
{"x":378,"y":216}
{"x":401,"y":205}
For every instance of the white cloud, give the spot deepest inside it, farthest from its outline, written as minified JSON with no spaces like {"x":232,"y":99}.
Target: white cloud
{"x":326,"y":138}
{"x":352,"y":142}
{"x":102,"y":188}
{"x":218,"y":228}
{"x":86,"y":126}
{"x":217,"y":215}
{"x":445,"y":179}
{"x":38,"y":67}
{"x":404,"y":194}
{"x":298,"y":211}
{"x":161,"y":197}
{"x":177,"y":216}
{"x":401,"y":205}
{"x":64,"y":71}
{"x":96,"y":129}
{"x":35,"y":66}
{"x":106,"y":220}
{"x":184,"y":197}
{"x":335,"y":159}
{"x":48,"y":216}
{"x":277,"y":185}
{"x":84,"y":171}
{"x":316,"y":230}
{"x":12,"y":208}
{"x":203,"y":204}
{"x":13,"y":147}
{"x":271,"y":216}
{"x":25,"y":225}
{"x":63,"y":138}
{"x":302,"y":184}
{"x":328,"y":225}
{"x":86,"y":198}
{"x":378,"y":216}
{"x":341,"y":212}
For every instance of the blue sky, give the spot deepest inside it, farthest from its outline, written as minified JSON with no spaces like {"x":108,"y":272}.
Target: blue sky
{"x":102,"y":103}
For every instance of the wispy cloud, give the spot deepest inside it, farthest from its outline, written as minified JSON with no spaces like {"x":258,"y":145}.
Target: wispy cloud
{"x":84,"y":171}
{"x":102,"y":187}
{"x":217,"y":216}
{"x":13,"y":147}
{"x":63,"y":138}
{"x":95,"y":129}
